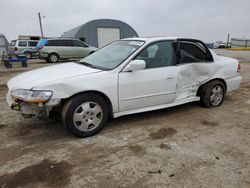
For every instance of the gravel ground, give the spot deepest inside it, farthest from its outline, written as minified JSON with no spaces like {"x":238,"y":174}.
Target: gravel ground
{"x":184,"y":146}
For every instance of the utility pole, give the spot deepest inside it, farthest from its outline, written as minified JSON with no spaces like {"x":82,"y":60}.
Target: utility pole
{"x":40,"y":22}
{"x":228,"y":37}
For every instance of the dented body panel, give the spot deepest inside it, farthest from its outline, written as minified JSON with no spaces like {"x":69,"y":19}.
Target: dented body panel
{"x":127,"y":92}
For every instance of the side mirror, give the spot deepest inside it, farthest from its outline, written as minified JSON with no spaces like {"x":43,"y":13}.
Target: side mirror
{"x":135,"y":65}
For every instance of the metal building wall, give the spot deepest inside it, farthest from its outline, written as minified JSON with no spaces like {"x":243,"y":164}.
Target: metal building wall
{"x":89,"y":30}
{"x":4,"y":45}
{"x":240,"y":43}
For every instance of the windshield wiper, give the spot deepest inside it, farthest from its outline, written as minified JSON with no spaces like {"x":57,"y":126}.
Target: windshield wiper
{"x":89,"y":65}
{"x":92,"y":66}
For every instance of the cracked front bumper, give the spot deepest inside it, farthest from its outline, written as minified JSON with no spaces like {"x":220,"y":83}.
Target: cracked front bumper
{"x":29,"y":109}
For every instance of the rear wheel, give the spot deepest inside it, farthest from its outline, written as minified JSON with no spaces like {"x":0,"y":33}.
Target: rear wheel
{"x":85,"y":115}
{"x":53,"y":58}
{"x":212,"y":94}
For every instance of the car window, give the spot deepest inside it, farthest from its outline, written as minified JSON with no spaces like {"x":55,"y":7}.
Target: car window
{"x":22,"y":43}
{"x":192,"y":52}
{"x":59,"y":43}
{"x":65,"y":43}
{"x":52,"y":43}
{"x":79,"y":44}
{"x":113,"y":54}
{"x":159,"y":54}
{"x":32,"y":43}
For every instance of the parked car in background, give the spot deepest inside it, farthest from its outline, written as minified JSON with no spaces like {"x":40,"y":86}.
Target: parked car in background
{"x":210,"y":45}
{"x":23,"y":47}
{"x":219,"y":44}
{"x":125,"y":77}
{"x":63,"y":48}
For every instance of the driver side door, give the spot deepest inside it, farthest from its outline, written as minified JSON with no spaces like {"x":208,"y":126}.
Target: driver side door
{"x":153,"y":86}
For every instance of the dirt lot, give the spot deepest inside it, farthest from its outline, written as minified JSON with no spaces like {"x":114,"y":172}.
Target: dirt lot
{"x":184,"y":146}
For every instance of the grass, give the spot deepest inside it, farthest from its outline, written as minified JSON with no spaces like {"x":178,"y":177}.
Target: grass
{"x":239,"y":49}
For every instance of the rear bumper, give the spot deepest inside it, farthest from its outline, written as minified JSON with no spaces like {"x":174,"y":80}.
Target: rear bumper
{"x":233,"y":83}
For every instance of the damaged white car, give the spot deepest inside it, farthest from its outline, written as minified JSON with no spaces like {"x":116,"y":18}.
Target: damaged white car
{"x":125,"y":77}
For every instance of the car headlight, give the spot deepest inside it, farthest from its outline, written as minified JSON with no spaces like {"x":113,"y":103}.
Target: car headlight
{"x":31,"y":95}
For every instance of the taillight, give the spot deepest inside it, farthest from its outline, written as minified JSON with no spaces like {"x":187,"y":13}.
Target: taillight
{"x":239,"y":67}
{"x":15,"y":48}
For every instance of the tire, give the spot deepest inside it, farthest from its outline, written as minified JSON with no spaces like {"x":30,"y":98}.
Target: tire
{"x":85,"y":115}
{"x":24,"y":64}
{"x":212,"y":94}
{"x":28,"y":55}
{"x":7,"y":65}
{"x":53,"y":58}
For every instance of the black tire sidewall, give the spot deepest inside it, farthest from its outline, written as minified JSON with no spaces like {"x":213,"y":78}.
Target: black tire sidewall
{"x":49,"y":57}
{"x":74,"y":103}
{"x":206,"y":93}
{"x":28,"y":55}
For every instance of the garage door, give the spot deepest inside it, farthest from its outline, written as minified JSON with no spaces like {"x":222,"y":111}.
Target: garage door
{"x":107,"y":35}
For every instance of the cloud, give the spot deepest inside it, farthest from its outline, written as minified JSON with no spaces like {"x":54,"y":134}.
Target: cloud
{"x":207,"y":20}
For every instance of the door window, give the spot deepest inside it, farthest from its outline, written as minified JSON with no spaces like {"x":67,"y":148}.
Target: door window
{"x":79,"y":44}
{"x":65,"y":43}
{"x":22,"y":43}
{"x":191,"y":52}
{"x":159,"y":54}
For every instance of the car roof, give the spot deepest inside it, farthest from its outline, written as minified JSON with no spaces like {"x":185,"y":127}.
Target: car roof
{"x":62,"y":39}
{"x":151,"y":39}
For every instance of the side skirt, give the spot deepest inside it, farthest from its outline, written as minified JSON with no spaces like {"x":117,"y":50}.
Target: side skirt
{"x":176,"y":103}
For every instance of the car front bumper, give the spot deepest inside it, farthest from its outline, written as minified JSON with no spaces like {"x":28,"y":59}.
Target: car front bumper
{"x":43,"y":55}
{"x":32,"y":109}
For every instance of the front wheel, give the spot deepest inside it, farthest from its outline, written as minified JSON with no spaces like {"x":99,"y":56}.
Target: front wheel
{"x":85,"y":115}
{"x":53,"y":58}
{"x":212,"y":94}
{"x":28,"y":55}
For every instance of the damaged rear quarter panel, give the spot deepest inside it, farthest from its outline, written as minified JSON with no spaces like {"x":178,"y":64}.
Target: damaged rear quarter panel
{"x":193,"y":75}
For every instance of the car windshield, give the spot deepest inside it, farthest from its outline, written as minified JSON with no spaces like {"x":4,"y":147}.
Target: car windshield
{"x":112,"y":55}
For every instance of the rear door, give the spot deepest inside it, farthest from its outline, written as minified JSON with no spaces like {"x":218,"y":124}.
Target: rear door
{"x":62,"y":48}
{"x":155,"y":85}
{"x":196,"y":66}
{"x":70,"y":51}
{"x":32,"y":46}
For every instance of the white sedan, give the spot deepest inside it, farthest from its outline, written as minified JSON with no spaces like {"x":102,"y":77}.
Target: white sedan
{"x":125,"y":77}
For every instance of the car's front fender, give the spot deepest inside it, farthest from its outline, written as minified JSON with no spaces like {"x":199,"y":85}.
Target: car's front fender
{"x":103,"y":82}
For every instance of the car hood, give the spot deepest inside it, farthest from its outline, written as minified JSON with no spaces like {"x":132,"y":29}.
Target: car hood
{"x":34,"y":78}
